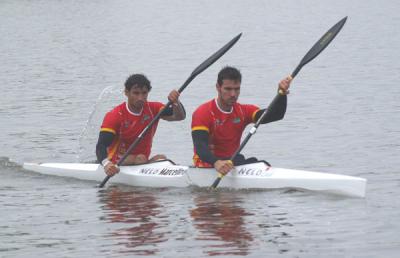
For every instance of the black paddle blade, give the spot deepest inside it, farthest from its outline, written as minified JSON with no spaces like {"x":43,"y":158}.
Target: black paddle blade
{"x":321,"y":44}
{"x":215,"y":56}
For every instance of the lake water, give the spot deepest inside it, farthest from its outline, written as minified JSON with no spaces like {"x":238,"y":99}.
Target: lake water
{"x":58,"y":57}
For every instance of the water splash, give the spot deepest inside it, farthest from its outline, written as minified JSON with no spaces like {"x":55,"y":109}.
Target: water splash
{"x":108,"y":98}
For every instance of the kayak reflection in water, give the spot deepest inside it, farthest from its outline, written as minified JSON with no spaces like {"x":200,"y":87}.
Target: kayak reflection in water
{"x":217,"y":218}
{"x":139,"y":210}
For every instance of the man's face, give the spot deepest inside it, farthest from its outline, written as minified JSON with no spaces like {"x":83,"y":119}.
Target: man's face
{"x":228,"y":92}
{"x":137,"y":96}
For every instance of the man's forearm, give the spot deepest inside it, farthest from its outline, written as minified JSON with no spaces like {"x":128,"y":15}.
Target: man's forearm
{"x":200,"y":141}
{"x":276,"y":110}
{"x":179,"y":112}
{"x":175,"y":112}
{"x":105,"y":140}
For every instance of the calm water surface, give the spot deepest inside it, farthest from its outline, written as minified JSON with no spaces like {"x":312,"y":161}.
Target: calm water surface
{"x":63,"y":64}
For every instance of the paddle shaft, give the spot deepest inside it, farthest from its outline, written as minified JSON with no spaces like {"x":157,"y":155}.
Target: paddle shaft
{"x":318,"y":47}
{"x":208,"y":62}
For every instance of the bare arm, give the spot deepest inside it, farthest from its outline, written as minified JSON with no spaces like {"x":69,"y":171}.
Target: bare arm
{"x":178,"y":111}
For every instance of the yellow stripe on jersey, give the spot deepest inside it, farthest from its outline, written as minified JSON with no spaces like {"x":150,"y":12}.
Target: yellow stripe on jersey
{"x":202,"y":128}
{"x":108,"y":130}
{"x":112,"y":151}
{"x":253,"y":116}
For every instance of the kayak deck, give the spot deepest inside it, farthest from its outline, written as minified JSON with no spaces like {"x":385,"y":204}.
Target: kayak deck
{"x":250,"y":176}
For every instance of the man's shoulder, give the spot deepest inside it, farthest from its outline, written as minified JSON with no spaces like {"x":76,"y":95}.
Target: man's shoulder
{"x":202,"y":111}
{"x":119,"y":109}
{"x":155,"y":105}
{"x":248,"y":110}
{"x":206,"y":105}
{"x":241,"y":105}
{"x":238,"y":104}
{"x":114,"y":116}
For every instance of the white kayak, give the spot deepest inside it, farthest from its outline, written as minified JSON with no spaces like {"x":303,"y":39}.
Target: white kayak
{"x":250,"y":176}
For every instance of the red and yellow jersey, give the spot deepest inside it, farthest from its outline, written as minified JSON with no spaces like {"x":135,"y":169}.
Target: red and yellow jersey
{"x":224,"y":128}
{"x":126,"y":126}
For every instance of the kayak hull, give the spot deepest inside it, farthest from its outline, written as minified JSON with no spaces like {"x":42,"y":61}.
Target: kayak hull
{"x":250,"y":176}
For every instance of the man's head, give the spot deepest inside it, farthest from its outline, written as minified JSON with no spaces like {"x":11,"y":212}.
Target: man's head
{"x":228,"y":86}
{"x":137,"y":81}
{"x":137,"y":88}
{"x":229,"y":73}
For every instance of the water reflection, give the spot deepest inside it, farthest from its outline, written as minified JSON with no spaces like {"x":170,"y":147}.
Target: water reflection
{"x":220,"y":219}
{"x":139,"y":211}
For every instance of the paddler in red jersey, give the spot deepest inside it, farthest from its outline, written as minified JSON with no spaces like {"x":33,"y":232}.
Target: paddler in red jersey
{"x":123,"y":124}
{"x":218,"y":124}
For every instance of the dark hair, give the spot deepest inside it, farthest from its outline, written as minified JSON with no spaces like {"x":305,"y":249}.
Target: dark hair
{"x":137,"y":80}
{"x":229,"y":73}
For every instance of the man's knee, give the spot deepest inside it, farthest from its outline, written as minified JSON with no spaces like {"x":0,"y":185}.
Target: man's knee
{"x":140,"y":159}
{"x":158,"y":157}
{"x":135,"y":160}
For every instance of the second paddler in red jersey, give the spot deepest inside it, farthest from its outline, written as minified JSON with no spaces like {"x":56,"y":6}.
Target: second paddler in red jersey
{"x":123,"y":124}
{"x":218,"y":125}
